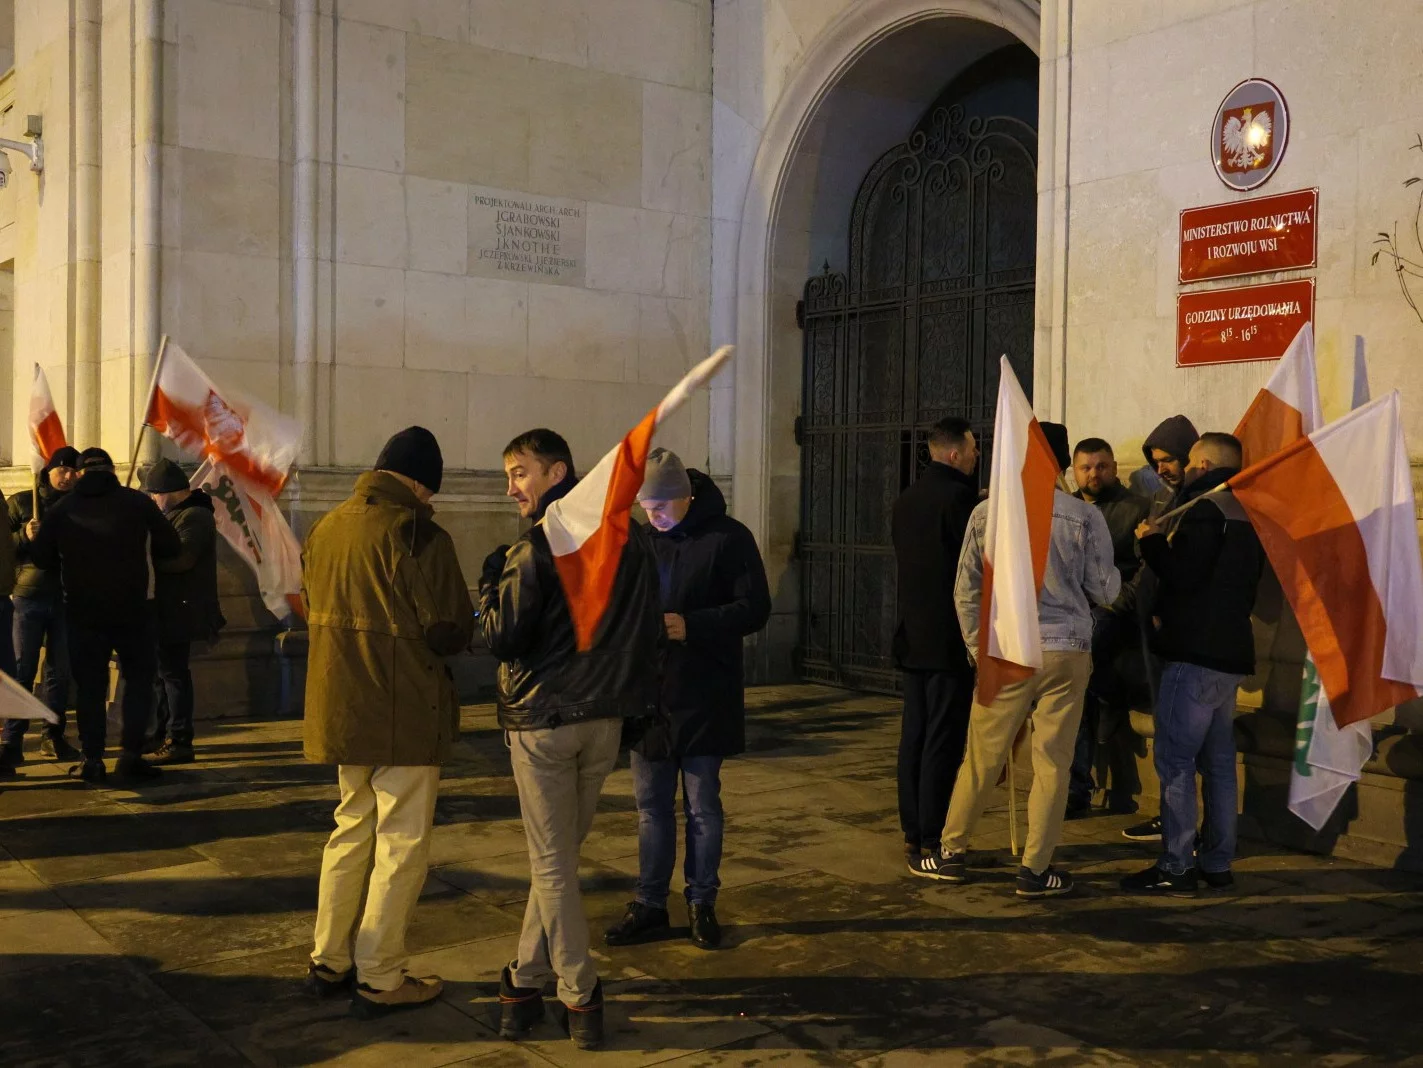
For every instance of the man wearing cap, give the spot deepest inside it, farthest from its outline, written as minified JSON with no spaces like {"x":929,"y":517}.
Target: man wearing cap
{"x":386,"y":604}
{"x":714,"y":594}
{"x":99,"y":538}
{"x":185,"y":596}
{"x":1080,"y":573}
{"x":39,"y":614}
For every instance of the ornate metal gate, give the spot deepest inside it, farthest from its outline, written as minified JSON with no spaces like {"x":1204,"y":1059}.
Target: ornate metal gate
{"x":942,"y":259}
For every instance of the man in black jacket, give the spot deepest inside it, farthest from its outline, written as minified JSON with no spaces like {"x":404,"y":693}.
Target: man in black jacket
{"x":1167,"y":449}
{"x":1105,"y":739}
{"x":100,"y":538}
{"x":39,"y":613}
{"x":929,"y":521}
{"x":185,"y":597}
{"x":714,"y":594}
{"x":562,"y":712}
{"x":1209,"y":569}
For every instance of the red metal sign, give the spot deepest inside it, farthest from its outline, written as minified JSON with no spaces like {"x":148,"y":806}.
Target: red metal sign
{"x":1242,"y":323}
{"x":1277,"y":233}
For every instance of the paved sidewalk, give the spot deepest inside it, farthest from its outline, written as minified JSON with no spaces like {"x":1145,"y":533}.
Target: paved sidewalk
{"x":171,"y":926}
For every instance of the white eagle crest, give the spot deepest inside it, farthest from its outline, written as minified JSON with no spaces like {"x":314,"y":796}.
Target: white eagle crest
{"x":1245,"y":138}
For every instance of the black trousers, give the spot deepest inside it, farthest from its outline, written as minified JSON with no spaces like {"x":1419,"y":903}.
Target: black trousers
{"x":91,"y":644}
{"x":174,"y":689}
{"x":932,"y":738}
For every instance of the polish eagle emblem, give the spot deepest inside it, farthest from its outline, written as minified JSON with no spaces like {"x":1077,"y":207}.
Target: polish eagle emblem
{"x":1245,"y":139}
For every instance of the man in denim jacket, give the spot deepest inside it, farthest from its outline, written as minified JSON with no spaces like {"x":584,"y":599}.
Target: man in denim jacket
{"x":1080,"y":573}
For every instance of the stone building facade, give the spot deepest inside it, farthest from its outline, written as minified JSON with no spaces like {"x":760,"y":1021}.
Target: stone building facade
{"x":484,"y":215}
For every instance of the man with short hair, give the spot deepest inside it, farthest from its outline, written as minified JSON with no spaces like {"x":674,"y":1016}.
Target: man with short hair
{"x":1209,"y":569}
{"x":386,"y":604}
{"x":927,"y":529}
{"x":1106,"y":725}
{"x":99,"y":538}
{"x":714,"y":595}
{"x":562,"y":712}
{"x":1079,"y":574}
{"x":185,"y":597}
{"x":39,"y":614}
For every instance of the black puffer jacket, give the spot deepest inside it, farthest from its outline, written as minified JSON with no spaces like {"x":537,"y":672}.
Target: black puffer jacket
{"x":185,"y":590}
{"x":543,"y":680}
{"x":31,"y":580}
{"x":99,"y":539}
{"x":711,"y":574}
{"x":1209,"y":570}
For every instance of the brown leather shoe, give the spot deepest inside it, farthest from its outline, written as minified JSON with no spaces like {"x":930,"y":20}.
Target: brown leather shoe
{"x":368,"y":1003}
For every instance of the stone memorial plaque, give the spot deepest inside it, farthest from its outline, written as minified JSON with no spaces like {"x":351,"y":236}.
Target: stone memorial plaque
{"x":526,"y":238}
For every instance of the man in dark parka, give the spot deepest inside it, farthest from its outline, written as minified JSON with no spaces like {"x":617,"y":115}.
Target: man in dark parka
{"x":714,"y":594}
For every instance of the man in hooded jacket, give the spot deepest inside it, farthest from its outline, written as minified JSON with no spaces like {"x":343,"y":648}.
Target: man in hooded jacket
{"x":714,"y":594}
{"x":185,"y":596}
{"x":39,"y":614}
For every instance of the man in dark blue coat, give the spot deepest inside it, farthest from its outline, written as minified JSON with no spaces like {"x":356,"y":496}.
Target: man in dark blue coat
{"x":714,"y":594}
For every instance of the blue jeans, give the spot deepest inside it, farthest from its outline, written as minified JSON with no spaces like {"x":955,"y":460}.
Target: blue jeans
{"x":655,"y":784}
{"x":1195,"y":727}
{"x":38,"y":623}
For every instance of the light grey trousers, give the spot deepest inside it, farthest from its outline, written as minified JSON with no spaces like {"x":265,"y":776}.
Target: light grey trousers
{"x":559,"y":773}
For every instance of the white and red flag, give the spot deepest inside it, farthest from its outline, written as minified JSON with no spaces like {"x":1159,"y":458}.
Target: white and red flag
{"x":1335,"y":514}
{"x":254,"y":526}
{"x":1288,"y":407}
{"x":1021,"y":483}
{"x":253,"y":441}
{"x":46,"y":431}
{"x":588,"y":528}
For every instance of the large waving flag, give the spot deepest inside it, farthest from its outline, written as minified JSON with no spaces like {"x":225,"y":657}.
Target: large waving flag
{"x":46,"y":431}
{"x":1015,"y":548}
{"x":588,"y":528}
{"x":1336,"y":515}
{"x":254,"y":526}
{"x":253,"y":441}
{"x":1288,"y":407}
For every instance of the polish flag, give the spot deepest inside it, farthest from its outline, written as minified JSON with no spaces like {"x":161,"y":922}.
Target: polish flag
{"x":588,"y":528}
{"x":250,"y":521}
{"x":46,"y":431}
{"x":1335,"y":513}
{"x":1015,"y":549}
{"x":253,"y":441}
{"x":1288,"y":407}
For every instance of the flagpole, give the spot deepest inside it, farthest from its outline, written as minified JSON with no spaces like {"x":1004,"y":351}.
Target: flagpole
{"x":147,"y":404}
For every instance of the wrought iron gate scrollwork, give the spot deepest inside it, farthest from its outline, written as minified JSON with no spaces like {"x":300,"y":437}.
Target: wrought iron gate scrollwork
{"x":942,"y":252}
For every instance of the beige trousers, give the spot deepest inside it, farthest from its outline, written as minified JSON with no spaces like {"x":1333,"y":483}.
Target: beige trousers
{"x":382,"y":838}
{"x":1058,"y":689}
{"x":559,"y":773}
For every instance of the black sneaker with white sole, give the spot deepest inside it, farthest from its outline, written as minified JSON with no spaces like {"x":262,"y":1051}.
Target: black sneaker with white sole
{"x":947,"y":869}
{"x":1217,"y":880}
{"x":1150,"y":831}
{"x":1157,"y":880}
{"x":1051,"y":883}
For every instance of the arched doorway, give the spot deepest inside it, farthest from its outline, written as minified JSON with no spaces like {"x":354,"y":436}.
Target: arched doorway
{"x":940,"y":283}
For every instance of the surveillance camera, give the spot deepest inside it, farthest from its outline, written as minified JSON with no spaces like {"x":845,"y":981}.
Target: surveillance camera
{"x":4,"y":169}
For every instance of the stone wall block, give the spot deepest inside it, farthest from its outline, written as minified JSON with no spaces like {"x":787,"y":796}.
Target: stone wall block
{"x":371,"y":71}
{"x":370,"y":317}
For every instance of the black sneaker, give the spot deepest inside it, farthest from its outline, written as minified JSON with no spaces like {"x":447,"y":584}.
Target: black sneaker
{"x":1157,"y":880}
{"x":55,"y":747}
{"x":706,"y":931}
{"x":323,"y":983}
{"x":1121,"y":806}
{"x":1150,"y":831}
{"x":641,"y":923}
{"x":585,"y":1022}
{"x":948,"y":869}
{"x":1051,"y":883}
{"x":520,"y":1009}
{"x":133,"y":768}
{"x":1078,"y":810}
{"x":91,"y":771}
{"x":1217,"y":880}
{"x":173,"y":753}
{"x":11,"y":756}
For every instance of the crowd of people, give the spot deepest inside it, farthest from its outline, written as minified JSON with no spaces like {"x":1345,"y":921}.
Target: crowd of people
{"x":1146,"y":603}
{"x":92,"y":570}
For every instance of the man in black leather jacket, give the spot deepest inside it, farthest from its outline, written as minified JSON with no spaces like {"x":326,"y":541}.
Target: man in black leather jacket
{"x":563,"y":714}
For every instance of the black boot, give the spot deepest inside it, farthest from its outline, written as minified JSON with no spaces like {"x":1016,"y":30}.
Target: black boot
{"x":706,"y":932}
{"x":585,"y":1022}
{"x":641,"y":923}
{"x":323,"y":983}
{"x":131,"y":767}
{"x":57,"y":748}
{"x":12,"y":755}
{"x":520,"y":1008}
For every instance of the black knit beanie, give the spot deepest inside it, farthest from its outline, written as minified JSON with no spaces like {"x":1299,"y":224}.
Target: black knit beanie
{"x":95,"y":457}
{"x":64,"y":456}
{"x":1056,"y":435}
{"x":414,"y":453}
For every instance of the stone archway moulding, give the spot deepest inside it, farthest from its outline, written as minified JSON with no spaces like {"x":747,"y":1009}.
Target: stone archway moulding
{"x":842,"y":43}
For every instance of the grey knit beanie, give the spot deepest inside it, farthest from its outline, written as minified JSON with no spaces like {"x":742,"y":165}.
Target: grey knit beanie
{"x":666,"y":479}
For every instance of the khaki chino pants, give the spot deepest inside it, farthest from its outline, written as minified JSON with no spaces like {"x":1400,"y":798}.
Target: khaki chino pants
{"x":559,"y":773}
{"x":1058,"y":689}
{"x":382,"y":838}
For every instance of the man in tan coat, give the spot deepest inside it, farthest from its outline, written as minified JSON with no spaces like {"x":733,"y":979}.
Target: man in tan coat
{"x":386,"y":603}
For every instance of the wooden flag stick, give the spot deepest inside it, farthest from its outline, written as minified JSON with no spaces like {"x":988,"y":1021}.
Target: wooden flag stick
{"x":1012,"y":804}
{"x":147,"y":404}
